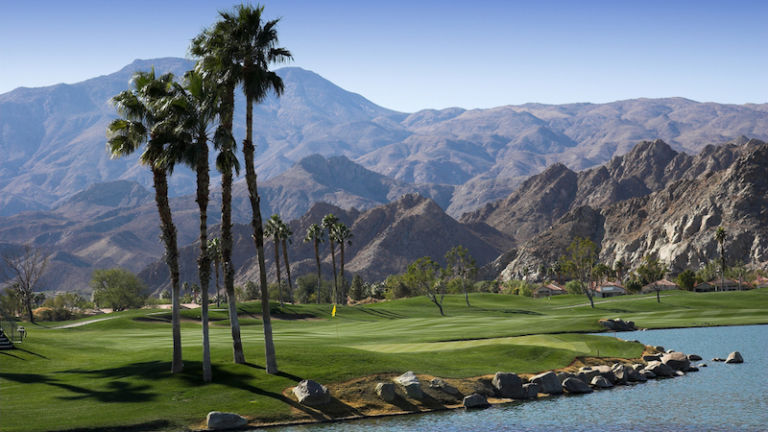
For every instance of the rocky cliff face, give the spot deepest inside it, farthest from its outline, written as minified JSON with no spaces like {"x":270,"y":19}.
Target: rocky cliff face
{"x":724,"y":186}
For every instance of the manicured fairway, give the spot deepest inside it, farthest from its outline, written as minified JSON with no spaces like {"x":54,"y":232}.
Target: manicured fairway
{"x":116,"y":372}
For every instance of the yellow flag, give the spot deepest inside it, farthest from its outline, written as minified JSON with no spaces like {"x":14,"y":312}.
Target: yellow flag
{"x":333,"y":312}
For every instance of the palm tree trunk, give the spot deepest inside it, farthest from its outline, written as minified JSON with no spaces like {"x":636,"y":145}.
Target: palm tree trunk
{"x":171,"y":258}
{"x":204,"y":262}
{"x":343,"y":282}
{"x":226,"y":234}
{"x":335,"y":278}
{"x":466,"y":293}
{"x":277,"y":269}
{"x":258,"y":236}
{"x":216,"y":275}
{"x":287,"y":270}
{"x":317,"y":260}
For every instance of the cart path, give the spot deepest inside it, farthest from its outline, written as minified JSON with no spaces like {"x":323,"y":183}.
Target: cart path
{"x":80,"y":324}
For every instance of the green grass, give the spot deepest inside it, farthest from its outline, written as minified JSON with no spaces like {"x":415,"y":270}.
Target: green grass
{"x":116,"y":372}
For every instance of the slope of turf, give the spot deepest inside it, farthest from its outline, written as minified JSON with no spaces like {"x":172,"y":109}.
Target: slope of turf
{"x":116,"y":372}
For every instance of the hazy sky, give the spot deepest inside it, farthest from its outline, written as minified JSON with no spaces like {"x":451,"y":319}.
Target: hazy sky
{"x":409,"y":55}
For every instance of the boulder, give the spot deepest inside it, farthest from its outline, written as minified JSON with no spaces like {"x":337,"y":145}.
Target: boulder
{"x":694,"y":357}
{"x":508,"y":385}
{"x":701,"y":365}
{"x":734,"y":357}
{"x":679,"y":373}
{"x":647,"y":374}
{"x":718,"y":359}
{"x":691,"y":369}
{"x":651,"y":357}
{"x":411,"y":385}
{"x":217,"y":420}
{"x":562,"y":376}
{"x":600,"y":382}
{"x":530,"y":390}
{"x":311,"y":393}
{"x":440,"y":385}
{"x":618,"y":324}
{"x":386,"y":391}
{"x":548,"y":383}
{"x":621,"y":373}
{"x":660,"y":369}
{"x":659,"y":348}
{"x":475,"y":401}
{"x":676,"y":360}
{"x":576,"y":386}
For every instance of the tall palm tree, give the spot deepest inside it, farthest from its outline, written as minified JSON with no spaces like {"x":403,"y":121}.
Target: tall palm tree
{"x":193,"y":107}
{"x":219,"y":62}
{"x":342,"y":235}
{"x":214,"y":255}
{"x":285,"y":234}
{"x":720,"y":238}
{"x":316,"y":235}
{"x":140,"y":124}
{"x":273,"y":230}
{"x":329,"y":221}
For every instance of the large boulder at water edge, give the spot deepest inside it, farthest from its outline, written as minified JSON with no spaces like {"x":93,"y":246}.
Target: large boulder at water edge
{"x":508,"y":385}
{"x":618,"y":324}
{"x":440,"y":385}
{"x":575,"y":386}
{"x":386,"y":391}
{"x":311,"y":393}
{"x":694,"y":357}
{"x":217,"y":420}
{"x":475,"y":401}
{"x":660,"y":369}
{"x":530,"y":391}
{"x":676,"y":360}
{"x":411,"y":385}
{"x":600,"y":382}
{"x":548,"y":383}
{"x":734,"y":357}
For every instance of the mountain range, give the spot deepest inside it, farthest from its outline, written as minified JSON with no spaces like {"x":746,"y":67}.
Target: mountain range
{"x":510,"y":183}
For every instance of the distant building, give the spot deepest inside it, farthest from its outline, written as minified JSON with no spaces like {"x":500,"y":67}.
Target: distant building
{"x":659,"y":285}
{"x":760,"y":282}
{"x":549,"y":290}
{"x":718,"y":285}
{"x":609,"y":289}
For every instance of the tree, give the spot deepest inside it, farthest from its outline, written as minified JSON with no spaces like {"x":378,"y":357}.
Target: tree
{"x":601,"y":271}
{"x":342,"y":235}
{"x":316,"y":235}
{"x":141,"y":124}
{"x":650,"y":271}
{"x":357,"y":289}
{"x":424,"y":275}
{"x":214,"y":255}
{"x":686,"y":279}
{"x":285,"y":233}
{"x":618,"y":267}
{"x":25,"y":270}
{"x":329,"y":221}
{"x":720,"y":238}
{"x":581,"y":258}
{"x":273,"y":230}
{"x":462,"y":266}
{"x":118,"y":289}
{"x":194,"y":109}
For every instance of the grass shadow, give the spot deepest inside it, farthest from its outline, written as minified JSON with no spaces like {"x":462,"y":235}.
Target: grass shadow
{"x":381,"y":313}
{"x":117,"y":391}
{"x":12,"y":355}
{"x":31,"y":353}
{"x":139,"y":427}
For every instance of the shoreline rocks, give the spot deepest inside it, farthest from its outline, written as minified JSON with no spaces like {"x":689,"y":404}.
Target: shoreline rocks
{"x":734,"y":357}
{"x":618,"y":324}
{"x":217,"y":420}
{"x":411,"y":385}
{"x":508,"y":385}
{"x":311,"y":393}
{"x":475,"y":400}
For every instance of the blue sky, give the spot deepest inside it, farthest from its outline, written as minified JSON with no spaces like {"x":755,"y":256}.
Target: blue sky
{"x":410,"y":55}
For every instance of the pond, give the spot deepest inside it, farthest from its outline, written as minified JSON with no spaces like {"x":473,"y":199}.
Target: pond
{"x":720,"y":397}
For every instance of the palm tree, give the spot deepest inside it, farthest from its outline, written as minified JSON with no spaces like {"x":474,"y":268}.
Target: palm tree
{"x":619,"y":266}
{"x":720,"y":238}
{"x":329,"y":221}
{"x":219,"y":63}
{"x":342,"y":235}
{"x":285,"y":234}
{"x":316,"y":235}
{"x":194,"y":107}
{"x":273,"y":230}
{"x":139,"y":125}
{"x":214,"y":255}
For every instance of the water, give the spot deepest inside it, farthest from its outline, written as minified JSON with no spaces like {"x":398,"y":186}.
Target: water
{"x":718,"y":398}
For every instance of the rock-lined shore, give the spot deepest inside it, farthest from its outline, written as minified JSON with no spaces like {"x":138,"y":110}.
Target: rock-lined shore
{"x":410,"y":393}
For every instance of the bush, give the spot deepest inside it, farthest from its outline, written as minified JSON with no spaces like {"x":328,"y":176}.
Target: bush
{"x":118,"y":289}
{"x":52,"y":314}
{"x":517,"y":287}
{"x":633,"y":285}
{"x":573,"y":287}
{"x":306,"y":289}
{"x":686,"y":279}
{"x":397,"y":288}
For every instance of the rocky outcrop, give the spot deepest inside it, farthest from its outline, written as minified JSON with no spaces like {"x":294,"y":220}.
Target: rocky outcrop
{"x":386,"y":391}
{"x":508,"y":385}
{"x":217,"y":420}
{"x":442,"y":386}
{"x":694,"y":357}
{"x":618,"y":324}
{"x":734,"y":357}
{"x":311,"y":393}
{"x":530,"y":390}
{"x":548,"y":383}
{"x":411,"y":385}
{"x":659,"y":369}
{"x":676,"y":360}
{"x":600,"y":382}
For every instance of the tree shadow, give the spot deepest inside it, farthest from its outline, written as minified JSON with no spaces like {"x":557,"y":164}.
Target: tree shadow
{"x":12,"y":355}
{"x":117,"y":391}
{"x":381,"y":314}
{"x":139,"y":427}
{"x":31,"y":353}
